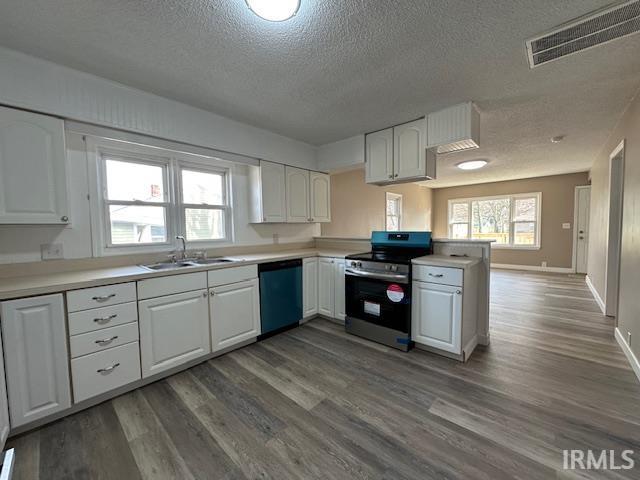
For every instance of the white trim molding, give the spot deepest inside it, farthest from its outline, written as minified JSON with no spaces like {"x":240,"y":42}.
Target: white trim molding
{"x":595,"y":294}
{"x":532,"y":268}
{"x":633,"y":360}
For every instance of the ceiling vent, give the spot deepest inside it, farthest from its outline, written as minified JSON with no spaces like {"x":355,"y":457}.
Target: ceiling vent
{"x":589,"y":31}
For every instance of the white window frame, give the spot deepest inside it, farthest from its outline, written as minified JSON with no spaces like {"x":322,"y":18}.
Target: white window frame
{"x":392,"y":196}
{"x":512,"y":198}
{"x":98,"y":148}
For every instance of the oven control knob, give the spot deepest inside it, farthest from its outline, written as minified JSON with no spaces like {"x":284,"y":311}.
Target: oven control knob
{"x":354,"y":264}
{"x":387,"y":267}
{"x":359,"y":264}
{"x":394,"y":268}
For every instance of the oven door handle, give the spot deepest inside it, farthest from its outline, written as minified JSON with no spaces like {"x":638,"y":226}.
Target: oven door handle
{"x":396,"y":277}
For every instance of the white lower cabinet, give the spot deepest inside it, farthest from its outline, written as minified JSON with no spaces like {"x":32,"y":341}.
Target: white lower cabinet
{"x":34,"y":336}
{"x":101,"y":372}
{"x":234,"y":311}
{"x":5,"y":425}
{"x":437,"y":312}
{"x":331,"y":301}
{"x":309,"y":287}
{"x":174,"y":329}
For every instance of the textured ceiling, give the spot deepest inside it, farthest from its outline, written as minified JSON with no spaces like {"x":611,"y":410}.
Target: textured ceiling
{"x":343,"y":67}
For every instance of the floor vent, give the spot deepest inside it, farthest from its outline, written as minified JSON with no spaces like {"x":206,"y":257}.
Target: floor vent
{"x":595,"y":29}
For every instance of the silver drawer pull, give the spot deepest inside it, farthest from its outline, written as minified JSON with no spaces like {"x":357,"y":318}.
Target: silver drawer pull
{"x":106,"y":341}
{"x":102,"y":320}
{"x":437,"y":275}
{"x":108,"y":369}
{"x":103,"y":298}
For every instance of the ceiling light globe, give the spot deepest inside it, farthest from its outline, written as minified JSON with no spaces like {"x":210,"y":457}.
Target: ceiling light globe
{"x":472,"y":164}
{"x":274,"y":10}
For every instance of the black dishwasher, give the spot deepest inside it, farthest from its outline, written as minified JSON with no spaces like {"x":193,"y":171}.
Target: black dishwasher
{"x":280,"y":296}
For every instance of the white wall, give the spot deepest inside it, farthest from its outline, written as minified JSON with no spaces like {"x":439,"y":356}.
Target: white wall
{"x":22,"y":243}
{"x":35,"y":84}
{"x":342,"y":155}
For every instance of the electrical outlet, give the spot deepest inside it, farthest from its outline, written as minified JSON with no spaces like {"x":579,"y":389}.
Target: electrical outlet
{"x":51,"y":251}
{"x":566,"y":226}
{"x":544,"y":264}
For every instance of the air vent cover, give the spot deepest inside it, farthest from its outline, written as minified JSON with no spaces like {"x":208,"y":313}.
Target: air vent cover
{"x":595,"y":29}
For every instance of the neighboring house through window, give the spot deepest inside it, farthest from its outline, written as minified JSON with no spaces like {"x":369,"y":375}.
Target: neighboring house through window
{"x":511,"y":220}
{"x":393,"y":212}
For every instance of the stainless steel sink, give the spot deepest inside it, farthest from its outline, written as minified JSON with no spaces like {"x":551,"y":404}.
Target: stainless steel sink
{"x":169,"y":265}
{"x":211,"y":261}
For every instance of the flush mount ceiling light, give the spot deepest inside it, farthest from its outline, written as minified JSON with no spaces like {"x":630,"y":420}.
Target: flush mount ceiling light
{"x":472,"y":164}
{"x":557,"y":139}
{"x":274,"y":10}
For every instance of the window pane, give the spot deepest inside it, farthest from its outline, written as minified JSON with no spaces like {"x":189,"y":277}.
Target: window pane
{"x":134,"y":181}
{"x":204,"y":224}
{"x":524,"y":233}
{"x":460,"y":230}
{"x":392,"y":223}
{"x":525,"y":210}
{"x":491,"y":219}
{"x":202,"y":188}
{"x":137,"y":224}
{"x":459,"y":213}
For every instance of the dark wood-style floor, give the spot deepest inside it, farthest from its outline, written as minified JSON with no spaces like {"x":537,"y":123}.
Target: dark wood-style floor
{"x":317,"y":403}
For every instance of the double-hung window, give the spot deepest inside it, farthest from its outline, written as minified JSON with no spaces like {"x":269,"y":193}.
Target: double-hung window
{"x":393,"y":211}
{"x":146,"y":196}
{"x":513,"y":221}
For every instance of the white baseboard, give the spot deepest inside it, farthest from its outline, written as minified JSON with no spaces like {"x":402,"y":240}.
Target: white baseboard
{"x":532,"y":268}
{"x":595,"y":294}
{"x":633,"y":360}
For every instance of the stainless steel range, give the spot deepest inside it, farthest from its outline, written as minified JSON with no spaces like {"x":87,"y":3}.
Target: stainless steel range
{"x":378,"y":287}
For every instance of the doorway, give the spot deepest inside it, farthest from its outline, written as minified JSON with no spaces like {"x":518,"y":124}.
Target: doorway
{"x":581,"y":228}
{"x":614,"y":234}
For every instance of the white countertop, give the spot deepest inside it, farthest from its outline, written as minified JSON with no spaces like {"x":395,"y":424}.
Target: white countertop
{"x":447,"y":261}
{"x":25,"y":286}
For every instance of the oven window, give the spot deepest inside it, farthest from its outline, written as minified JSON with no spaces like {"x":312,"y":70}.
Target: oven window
{"x":380,"y":302}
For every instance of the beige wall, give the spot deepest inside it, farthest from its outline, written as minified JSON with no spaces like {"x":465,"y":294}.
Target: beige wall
{"x":358,"y":208}
{"x":628,"y":129}
{"x":557,"y":208}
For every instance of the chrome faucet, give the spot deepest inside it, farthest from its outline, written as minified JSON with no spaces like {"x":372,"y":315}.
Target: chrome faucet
{"x":184,"y":246}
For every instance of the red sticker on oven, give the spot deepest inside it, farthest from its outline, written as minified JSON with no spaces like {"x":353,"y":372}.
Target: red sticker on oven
{"x":395,"y":293}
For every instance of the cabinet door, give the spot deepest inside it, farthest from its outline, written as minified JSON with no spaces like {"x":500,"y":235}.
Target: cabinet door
{"x":4,"y":404}
{"x":379,"y":156}
{"x":33,"y":183}
{"x":34,"y":335}
{"x":437,"y":316}
{"x":297,"y":195}
{"x":320,"y":197}
{"x":326,"y":287}
{"x":409,"y":141}
{"x":309,"y":287}
{"x":339,"y":300}
{"x":173,"y":330}
{"x":272,"y":179}
{"x":235,"y":313}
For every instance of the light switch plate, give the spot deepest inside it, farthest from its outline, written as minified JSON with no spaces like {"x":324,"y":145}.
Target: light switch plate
{"x":51,"y":251}
{"x":566,"y":226}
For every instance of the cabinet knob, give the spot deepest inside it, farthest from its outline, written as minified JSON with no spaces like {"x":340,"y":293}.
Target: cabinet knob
{"x":204,"y":294}
{"x":64,"y":218}
{"x":390,"y":175}
{"x":264,"y":219}
{"x":459,"y":292}
{"x":212,"y":293}
{"x":396,"y":175}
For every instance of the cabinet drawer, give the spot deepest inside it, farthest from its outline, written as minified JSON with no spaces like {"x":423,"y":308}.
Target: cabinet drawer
{"x":442,"y":275}
{"x":100,"y":296}
{"x":98,"y":318}
{"x":103,"y":339}
{"x":225,"y":276}
{"x":103,"y":371}
{"x":158,"y":287}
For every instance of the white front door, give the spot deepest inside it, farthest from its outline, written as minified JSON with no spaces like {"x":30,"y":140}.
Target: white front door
{"x":583,"y":198}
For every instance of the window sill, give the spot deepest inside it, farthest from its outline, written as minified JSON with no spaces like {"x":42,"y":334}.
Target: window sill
{"x":514,"y":247}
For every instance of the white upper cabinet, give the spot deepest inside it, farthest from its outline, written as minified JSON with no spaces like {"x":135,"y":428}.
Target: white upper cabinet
{"x":320,"y":200}
{"x":297,"y":195}
{"x":399,"y":154}
{"x":33,"y":184}
{"x":409,"y":143}
{"x":379,"y":156}
{"x":268,"y":186}
{"x":36,"y":357}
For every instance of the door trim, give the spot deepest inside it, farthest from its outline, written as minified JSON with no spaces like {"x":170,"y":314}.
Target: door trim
{"x":614,"y":235}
